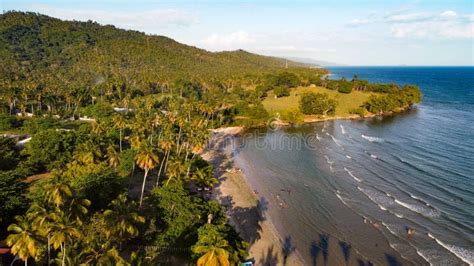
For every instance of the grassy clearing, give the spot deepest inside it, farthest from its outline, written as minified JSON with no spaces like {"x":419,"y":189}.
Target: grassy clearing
{"x":346,"y":102}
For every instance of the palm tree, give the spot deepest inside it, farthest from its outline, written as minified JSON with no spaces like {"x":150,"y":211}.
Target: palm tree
{"x":63,"y":232}
{"x":113,"y":157}
{"x":166,"y":144}
{"x":58,"y":194}
{"x":120,"y":123}
{"x":121,"y":220}
{"x":104,"y":254}
{"x":98,"y":128}
{"x":204,"y":177}
{"x":24,"y":241}
{"x":213,"y":247}
{"x":177,"y":168}
{"x":87,"y":152}
{"x":146,"y":159}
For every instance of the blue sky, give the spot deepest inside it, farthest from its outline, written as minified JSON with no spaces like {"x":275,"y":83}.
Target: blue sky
{"x":361,"y":32}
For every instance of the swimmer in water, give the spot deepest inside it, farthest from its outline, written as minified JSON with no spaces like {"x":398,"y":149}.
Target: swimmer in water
{"x":410,"y":232}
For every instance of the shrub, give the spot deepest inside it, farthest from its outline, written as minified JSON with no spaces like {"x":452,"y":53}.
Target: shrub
{"x":317,"y":103}
{"x":9,"y":156}
{"x":281,"y":91}
{"x":395,"y":101}
{"x":292,"y":116}
{"x":358,"y":111}
{"x":35,"y":125}
{"x":8,"y":122}
{"x":50,"y":148}
{"x":96,"y":182}
{"x":98,"y":110}
{"x":345,"y":87}
{"x":12,"y":195}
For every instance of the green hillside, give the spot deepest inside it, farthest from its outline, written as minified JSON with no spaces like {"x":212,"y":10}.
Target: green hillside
{"x":39,"y":49}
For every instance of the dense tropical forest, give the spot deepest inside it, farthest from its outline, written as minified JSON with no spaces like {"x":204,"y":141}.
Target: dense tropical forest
{"x":102,"y":130}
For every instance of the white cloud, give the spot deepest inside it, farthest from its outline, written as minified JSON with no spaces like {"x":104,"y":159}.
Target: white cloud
{"x":434,"y":30}
{"x":148,"y":20}
{"x":444,"y":25}
{"x":449,"y":14}
{"x":360,"y":21}
{"x":407,"y":18}
{"x":234,"y":40}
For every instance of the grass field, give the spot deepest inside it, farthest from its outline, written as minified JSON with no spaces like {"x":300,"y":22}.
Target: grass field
{"x":346,"y":102}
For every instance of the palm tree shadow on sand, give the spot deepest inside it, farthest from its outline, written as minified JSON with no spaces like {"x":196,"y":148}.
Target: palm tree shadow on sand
{"x":392,"y":260}
{"x":346,"y":250}
{"x":322,"y":246}
{"x":270,"y":258}
{"x":287,"y":248}
{"x":247,"y":220}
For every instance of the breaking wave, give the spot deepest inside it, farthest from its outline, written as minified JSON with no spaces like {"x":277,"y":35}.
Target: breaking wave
{"x":466,"y":255}
{"x":343,"y":131}
{"x":372,"y":139}
{"x":352,"y":175}
{"x":428,"y":212}
{"x":380,"y":199}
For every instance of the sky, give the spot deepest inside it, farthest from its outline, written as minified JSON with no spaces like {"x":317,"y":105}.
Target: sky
{"x":360,"y":32}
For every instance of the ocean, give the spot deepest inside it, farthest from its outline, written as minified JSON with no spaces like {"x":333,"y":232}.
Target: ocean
{"x":347,"y":192}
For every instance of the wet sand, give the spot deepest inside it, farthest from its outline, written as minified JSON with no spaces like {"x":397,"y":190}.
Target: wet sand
{"x":252,"y":207}
{"x":245,"y":212}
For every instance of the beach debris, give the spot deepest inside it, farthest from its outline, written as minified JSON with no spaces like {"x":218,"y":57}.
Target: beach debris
{"x":280,"y":201}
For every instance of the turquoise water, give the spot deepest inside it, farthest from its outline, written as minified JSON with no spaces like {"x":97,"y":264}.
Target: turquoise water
{"x":364,"y":183}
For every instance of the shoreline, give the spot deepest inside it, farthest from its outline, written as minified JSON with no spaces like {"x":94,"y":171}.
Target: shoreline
{"x":308,"y":119}
{"x":235,"y":193}
{"x":243,"y":208}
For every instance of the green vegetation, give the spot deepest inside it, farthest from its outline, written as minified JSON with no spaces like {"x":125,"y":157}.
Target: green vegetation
{"x":343,"y":98}
{"x":394,"y":101}
{"x":317,"y":104}
{"x":346,"y":102}
{"x":95,"y":185}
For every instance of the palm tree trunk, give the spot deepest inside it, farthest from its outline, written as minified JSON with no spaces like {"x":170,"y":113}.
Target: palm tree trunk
{"x":189,"y":166}
{"x":49,"y":252}
{"x":159,"y":171}
{"x":143,"y":186}
{"x":64,"y":254}
{"x":120,"y":136}
{"x":166,"y":162}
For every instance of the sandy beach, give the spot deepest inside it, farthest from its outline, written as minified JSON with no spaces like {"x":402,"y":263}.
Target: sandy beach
{"x":245,"y":211}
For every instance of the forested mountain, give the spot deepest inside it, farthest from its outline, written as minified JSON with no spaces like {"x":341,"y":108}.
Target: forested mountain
{"x":39,"y":50}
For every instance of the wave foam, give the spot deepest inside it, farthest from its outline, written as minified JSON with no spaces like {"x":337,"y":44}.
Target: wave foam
{"x":421,"y":200}
{"x":343,"y":131}
{"x":352,"y":175}
{"x":389,"y":229}
{"x":378,"y":198}
{"x":335,"y":141}
{"x":466,"y":255}
{"x":398,"y":215}
{"x":427,"y":255}
{"x":419,"y":209}
{"x":372,"y":139}
{"x":341,"y":199}
{"x":327,"y":160}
